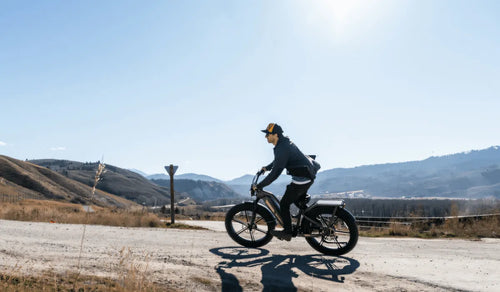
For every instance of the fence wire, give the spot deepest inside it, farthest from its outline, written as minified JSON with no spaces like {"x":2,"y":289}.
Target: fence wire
{"x":384,"y":222}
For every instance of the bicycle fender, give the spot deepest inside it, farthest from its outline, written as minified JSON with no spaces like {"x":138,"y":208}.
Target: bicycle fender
{"x":329,"y":203}
{"x":262,"y":208}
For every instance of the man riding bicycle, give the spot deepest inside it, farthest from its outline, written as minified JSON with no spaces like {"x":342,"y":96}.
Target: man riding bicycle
{"x":302,"y":168}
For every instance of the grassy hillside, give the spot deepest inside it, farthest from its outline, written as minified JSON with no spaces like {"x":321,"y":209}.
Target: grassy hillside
{"x":121,"y":182}
{"x":20,"y":178}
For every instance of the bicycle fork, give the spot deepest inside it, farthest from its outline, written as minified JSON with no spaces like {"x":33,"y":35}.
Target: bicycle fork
{"x":254,"y":213}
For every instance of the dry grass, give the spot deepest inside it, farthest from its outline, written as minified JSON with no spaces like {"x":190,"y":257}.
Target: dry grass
{"x":58,"y":212}
{"x":183,"y":226}
{"x":132,"y":274}
{"x":452,"y":228}
{"x":199,"y":212}
{"x":127,"y":282}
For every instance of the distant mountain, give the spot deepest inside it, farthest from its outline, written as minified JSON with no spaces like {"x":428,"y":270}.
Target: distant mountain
{"x":138,"y":172}
{"x":194,"y":176}
{"x":200,"y":190}
{"x":25,"y":179}
{"x":242,"y":184}
{"x":157,"y":176}
{"x":121,"y":182}
{"x":243,"y":180}
{"x":189,"y":176}
{"x":472,"y":174}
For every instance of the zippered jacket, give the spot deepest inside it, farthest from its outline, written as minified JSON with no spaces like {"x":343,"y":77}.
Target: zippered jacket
{"x":287,"y":155}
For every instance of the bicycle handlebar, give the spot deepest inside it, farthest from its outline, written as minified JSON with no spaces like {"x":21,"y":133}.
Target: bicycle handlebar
{"x":255,"y":180}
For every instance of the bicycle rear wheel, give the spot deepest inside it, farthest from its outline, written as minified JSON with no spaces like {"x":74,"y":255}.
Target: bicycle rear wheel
{"x":331,"y":234}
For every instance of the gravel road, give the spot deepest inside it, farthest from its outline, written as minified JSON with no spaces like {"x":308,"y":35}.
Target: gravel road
{"x":208,"y":260}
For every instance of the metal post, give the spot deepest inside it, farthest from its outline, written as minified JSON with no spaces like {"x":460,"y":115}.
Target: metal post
{"x":172,"y":213}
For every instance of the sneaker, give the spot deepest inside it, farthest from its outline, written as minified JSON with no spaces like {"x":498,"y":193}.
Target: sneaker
{"x":281,"y":235}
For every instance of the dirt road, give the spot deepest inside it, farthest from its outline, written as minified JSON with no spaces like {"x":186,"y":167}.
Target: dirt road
{"x":209,"y":260}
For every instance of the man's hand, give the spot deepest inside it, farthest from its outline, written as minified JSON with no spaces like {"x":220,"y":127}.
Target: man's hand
{"x":263,"y":170}
{"x":254,"y":187}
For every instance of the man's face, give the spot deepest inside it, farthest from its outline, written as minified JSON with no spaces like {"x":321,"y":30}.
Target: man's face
{"x":272,"y":138}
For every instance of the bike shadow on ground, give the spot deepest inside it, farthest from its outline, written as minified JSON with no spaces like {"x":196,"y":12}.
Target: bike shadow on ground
{"x":278,"y":270}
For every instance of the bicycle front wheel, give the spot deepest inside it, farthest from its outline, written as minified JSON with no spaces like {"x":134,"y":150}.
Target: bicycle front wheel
{"x":243,"y":230}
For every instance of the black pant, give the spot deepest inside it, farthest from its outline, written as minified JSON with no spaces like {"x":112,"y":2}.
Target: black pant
{"x":292,"y":194}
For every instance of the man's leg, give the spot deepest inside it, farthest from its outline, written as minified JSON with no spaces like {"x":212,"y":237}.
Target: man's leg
{"x":292,"y":194}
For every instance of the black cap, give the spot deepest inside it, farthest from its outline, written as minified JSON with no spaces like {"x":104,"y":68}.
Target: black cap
{"x":273,"y":128}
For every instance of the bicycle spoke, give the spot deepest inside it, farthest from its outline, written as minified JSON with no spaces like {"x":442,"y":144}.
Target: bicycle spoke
{"x":343,"y":232}
{"x":258,"y":220}
{"x":337,"y":242}
{"x":251,"y":235}
{"x":263,"y":231}
{"x":239,"y":221}
{"x":242,"y":230}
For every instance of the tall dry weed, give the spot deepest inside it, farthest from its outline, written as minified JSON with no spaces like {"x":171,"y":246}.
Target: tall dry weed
{"x":97,"y":178}
{"x":134,"y":271}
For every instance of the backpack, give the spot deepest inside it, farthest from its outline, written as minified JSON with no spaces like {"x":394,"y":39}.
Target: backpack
{"x":313,"y":166}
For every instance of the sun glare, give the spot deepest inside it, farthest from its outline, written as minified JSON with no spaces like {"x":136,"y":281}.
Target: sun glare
{"x":346,"y":19}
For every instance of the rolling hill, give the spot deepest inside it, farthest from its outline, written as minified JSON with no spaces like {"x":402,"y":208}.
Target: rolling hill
{"x":472,"y":174}
{"x":20,"y":178}
{"x":135,"y":187}
{"x":115,"y":180}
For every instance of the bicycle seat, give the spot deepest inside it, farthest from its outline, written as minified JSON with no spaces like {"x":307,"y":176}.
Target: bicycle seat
{"x":302,"y":201}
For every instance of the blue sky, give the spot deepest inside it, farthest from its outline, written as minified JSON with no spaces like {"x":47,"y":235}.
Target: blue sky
{"x":148,"y":83}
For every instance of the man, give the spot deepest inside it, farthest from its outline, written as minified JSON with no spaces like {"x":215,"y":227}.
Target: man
{"x":301,"y":167}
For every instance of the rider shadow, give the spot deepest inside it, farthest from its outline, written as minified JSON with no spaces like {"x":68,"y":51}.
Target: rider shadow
{"x":277,"y":270}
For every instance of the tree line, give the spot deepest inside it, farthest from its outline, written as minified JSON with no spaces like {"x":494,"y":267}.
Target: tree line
{"x":421,"y":207}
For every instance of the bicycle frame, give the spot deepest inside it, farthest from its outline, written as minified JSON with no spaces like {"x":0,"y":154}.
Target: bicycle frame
{"x":270,"y":200}
{"x":273,"y":204}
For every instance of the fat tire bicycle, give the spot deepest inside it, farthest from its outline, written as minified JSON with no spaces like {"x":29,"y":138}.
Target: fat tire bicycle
{"x":325,"y":224}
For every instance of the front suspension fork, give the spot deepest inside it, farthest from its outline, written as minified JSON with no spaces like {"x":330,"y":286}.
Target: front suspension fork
{"x":254,"y":213}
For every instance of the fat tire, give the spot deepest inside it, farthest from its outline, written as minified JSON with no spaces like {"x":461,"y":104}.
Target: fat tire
{"x":342,"y":214}
{"x":263,"y":212}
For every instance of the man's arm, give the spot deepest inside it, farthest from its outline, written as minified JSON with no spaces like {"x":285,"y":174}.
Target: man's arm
{"x":268,"y":167}
{"x":277,"y":166}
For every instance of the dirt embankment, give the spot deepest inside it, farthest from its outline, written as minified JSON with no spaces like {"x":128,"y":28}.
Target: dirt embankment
{"x":209,"y":260}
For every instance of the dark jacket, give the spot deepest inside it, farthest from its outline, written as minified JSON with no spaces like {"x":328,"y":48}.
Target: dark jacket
{"x":287,"y":155}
